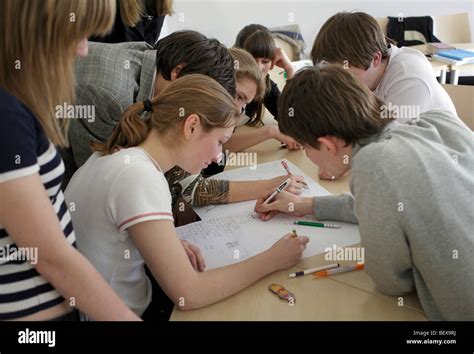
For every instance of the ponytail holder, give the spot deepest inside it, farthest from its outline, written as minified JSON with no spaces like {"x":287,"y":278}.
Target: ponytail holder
{"x":147,"y":106}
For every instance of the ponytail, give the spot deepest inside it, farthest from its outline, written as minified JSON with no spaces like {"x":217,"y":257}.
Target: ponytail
{"x":131,"y":131}
{"x":191,"y":94}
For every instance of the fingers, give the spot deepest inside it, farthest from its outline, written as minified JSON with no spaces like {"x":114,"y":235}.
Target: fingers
{"x":295,"y":189}
{"x":303,"y":239}
{"x":259,"y":204}
{"x":267,"y":216}
{"x":190,"y":253}
{"x":264,"y":208}
{"x":201,"y":265}
{"x":297,"y":184}
{"x":298,"y":178}
{"x":288,"y":236}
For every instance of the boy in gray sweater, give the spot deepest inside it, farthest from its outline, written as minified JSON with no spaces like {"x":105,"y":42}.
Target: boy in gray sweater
{"x":412,"y":186}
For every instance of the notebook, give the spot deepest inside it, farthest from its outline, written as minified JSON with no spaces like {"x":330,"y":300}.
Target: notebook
{"x":457,"y":54}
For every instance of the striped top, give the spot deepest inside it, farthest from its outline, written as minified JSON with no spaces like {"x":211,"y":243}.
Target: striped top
{"x":24,"y":151}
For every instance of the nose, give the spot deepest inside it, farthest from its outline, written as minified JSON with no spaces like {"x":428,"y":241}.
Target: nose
{"x":218,"y":157}
{"x":240,"y":105}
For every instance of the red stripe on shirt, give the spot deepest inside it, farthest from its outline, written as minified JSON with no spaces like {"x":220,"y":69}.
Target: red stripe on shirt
{"x":144,"y":215}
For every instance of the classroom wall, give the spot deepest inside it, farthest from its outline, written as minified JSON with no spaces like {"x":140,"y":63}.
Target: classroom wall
{"x":222,"y":19}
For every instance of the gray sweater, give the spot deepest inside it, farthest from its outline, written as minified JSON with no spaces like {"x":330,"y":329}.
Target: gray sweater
{"x":413,"y":197}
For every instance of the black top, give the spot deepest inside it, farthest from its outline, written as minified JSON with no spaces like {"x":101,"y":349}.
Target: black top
{"x":270,"y":101}
{"x":147,"y":30}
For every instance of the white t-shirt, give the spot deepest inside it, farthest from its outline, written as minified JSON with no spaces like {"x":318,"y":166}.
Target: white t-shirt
{"x":410,"y":85}
{"x":106,"y":196}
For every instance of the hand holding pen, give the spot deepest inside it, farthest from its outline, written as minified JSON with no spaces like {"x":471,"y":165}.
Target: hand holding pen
{"x":287,"y":169}
{"x":283,"y":202}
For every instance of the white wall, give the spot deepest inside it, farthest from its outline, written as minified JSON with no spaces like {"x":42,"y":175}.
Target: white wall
{"x":223,"y":19}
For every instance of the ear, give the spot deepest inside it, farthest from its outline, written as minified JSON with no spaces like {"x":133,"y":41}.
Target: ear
{"x":176,"y":71}
{"x":191,"y":126}
{"x":328,"y":144}
{"x":377,"y":60}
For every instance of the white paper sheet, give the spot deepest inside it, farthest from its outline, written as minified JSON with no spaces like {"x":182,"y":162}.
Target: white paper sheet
{"x":262,"y":171}
{"x":220,"y":241}
{"x":232,"y":230}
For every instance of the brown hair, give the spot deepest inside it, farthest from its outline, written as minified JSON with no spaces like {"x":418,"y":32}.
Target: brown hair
{"x":199,"y":54}
{"x":329,"y":100}
{"x":245,"y":32}
{"x":247,"y":68}
{"x":261,"y":44}
{"x":38,"y":41}
{"x":191,"y":94}
{"x":132,"y":11}
{"x":351,"y":36}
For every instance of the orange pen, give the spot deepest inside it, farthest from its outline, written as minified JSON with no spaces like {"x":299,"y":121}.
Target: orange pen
{"x":328,"y":272}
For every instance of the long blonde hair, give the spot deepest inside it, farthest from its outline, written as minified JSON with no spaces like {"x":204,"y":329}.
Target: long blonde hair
{"x":131,"y":11}
{"x":190,"y":94}
{"x":38,"y":41}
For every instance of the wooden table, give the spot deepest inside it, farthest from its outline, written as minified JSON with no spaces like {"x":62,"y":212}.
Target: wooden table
{"x":347,"y":296}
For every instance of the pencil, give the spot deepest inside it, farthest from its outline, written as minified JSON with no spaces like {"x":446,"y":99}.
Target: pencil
{"x":345,"y":269}
{"x":313,"y":270}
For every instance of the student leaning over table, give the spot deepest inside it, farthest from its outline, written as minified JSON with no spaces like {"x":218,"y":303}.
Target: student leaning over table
{"x":401,"y":77}
{"x":259,"y":42}
{"x":107,"y":81}
{"x":198,"y":191}
{"x":127,"y":210}
{"x":412,"y":187}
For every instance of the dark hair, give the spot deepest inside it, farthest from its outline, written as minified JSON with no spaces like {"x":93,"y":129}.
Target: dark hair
{"x":329,"y":100}
{"x":260,"y":44}
{"x":246,"y":32}
{"x":351,"y":36}
{"x":258,"y":41}
{"x":199,"y":54}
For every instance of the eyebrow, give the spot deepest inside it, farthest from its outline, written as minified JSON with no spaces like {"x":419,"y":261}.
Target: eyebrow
{"x":244,"y":96}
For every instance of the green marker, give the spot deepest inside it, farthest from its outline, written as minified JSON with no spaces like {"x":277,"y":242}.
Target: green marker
{"x":317,"y":224}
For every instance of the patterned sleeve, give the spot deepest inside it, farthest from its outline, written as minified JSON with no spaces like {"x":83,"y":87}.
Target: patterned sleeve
{"x":195,"y":189}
